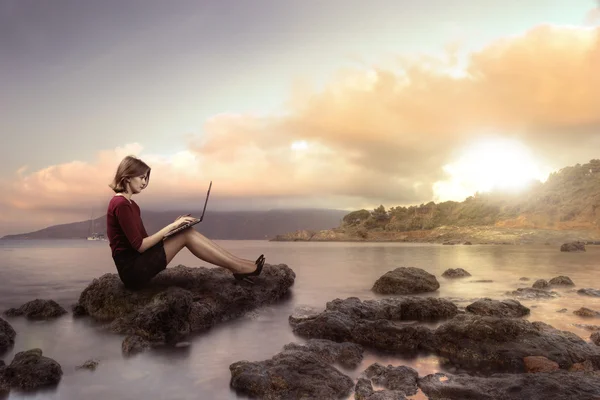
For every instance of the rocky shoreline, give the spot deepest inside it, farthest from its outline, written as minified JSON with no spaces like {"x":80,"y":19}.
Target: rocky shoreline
{"x":446,"y":235}
{"x":488,"y":349}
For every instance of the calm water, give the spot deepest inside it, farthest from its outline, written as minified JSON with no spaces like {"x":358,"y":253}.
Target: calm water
{"x":60,"y":270}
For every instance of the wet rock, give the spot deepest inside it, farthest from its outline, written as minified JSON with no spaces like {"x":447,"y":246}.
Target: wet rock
{"x":573,"y":247}
{"x":37,"y":309}
{"x":595,"y":338}
{"x":399,"y":378}
{"x":582,"y":366}
{"x":406,"y":280}
{"x":377,"y":323}
{"x":532,"y":294}
{"x":586,"y":312}
{"x":7,"y":336}
{"x":588,"y":327}
{"x":561,"y":281}
{"x":589,"y":292}
{"x":291,"y":374}
{"x":134,"y":344}
{"x":78,"y":310}
{"x":364,"y":391}
{"x":303,"y":313}
{"x":89,"y":364}
{"x":506,"y":308}
{"x":524,"y":278}
{"x":30,"y":370}
{"x":491,"y":344}
{"x":482,"y":281}
{"x":540,"y":284}
{"x":181,"y":300}
{"x":558,"y":385}
{"x":467,"y":243}
{"x":348,"y":355}
{"x":562,"y":310}
{"x":535,"y":364}
{"x":453,"y":273}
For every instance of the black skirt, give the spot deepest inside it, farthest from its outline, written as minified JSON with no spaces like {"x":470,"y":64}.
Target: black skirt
{"x":137,"y":269}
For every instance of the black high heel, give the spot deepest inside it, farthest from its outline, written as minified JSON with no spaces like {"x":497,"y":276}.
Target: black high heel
{"x":260,"y":262}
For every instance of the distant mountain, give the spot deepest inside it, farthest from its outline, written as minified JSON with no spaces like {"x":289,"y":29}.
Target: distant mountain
{"x":232,"y":225}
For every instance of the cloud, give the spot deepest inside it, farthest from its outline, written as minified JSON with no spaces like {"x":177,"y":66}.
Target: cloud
{"x":378,"y":135}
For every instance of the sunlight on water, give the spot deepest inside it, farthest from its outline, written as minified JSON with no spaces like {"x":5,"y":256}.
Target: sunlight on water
{"x":60,"y":270}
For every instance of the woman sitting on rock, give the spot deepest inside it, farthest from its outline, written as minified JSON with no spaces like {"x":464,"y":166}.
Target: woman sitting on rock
{"x":139,"y":256}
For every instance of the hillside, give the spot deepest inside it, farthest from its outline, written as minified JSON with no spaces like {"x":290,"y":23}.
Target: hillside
{"x":564,"y":206}
{"x":234,"y":225}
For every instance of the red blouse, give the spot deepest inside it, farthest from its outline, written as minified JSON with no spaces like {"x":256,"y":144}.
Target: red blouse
{"x":124,"y":226}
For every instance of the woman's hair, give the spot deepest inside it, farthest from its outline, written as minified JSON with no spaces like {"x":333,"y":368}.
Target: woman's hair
{"x":129,"y":167}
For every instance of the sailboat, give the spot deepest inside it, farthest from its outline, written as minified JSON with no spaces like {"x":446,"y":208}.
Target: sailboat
{"x":95,"y":235}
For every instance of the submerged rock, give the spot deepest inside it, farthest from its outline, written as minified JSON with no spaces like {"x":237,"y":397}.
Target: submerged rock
{"x":181,"y":300}
{"x":89,"y":364}
{"x":30,"y":370}
{"x":37,"y":309}
{"x":491,"y":344}
{"x":589,"y":292}
{"x":406,"y":280}
{"x":532,"y":293}
{"x":291,"y":374}
{"x":561,"y":281}
{"x":573,"y":246}
{"x":558,"y":385}
{"x":7,"y":336}
{"x":586,"y":312}
{"x":506,"y":308}
{"x":453,"y":273}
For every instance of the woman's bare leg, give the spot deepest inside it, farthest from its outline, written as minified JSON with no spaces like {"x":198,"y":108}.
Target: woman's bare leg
{"x":206,"y":250}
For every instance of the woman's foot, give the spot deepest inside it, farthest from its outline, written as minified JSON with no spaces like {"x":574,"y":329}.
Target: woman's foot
{"x":260,"y":262}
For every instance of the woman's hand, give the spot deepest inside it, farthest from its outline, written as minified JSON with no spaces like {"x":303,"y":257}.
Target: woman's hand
{"x":181,"y":220}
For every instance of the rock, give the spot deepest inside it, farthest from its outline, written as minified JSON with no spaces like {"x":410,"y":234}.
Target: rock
{"x":582,"y":366}
{"x":492,"y":344}
{"x":453,"y":273}
{"x":181,"y":300}
{"x":595,"y":338}
{"x":561,"y":281}
{"x":532,"y":293}
{"x":562,"y":310}
{"x":482,"y":281}
{"x":506,"y":308}
{"x":467,"y":243}
{"x":523,"y":278}
{"x":7,"y":336}
{"x":349,"y":355}
{"x":399,"y":378}
{"x":586,"y":312}
{"x":37,"y":309}
{"x":541,"y":284}
{"x":291,"y":374}
{"x":364,"y":391}
{"x":89,"y":364}
{"x":573,"y":247}
{"x":535,"y":364}
{"x":588,"y":327}
{"x":558,"y":385}
{"x":303,"y":313}
{"x":376,"y":323}
{"x":406,"y":280}
{"x":134,"y":344}
{"x":589,"y":292}
{"x":30,"y":370}
{"x":78,"y":310}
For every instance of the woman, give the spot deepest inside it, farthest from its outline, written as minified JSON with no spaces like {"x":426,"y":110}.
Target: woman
{"x":139,"y":256}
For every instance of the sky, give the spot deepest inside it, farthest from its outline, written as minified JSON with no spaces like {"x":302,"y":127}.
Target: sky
{"x":284,"y":104}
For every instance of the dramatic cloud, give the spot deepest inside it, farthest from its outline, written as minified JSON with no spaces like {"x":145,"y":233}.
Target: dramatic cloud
{"x":378,"y":136}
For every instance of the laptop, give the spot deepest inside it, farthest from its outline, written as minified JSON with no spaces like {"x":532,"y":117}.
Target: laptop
{"x":196,"y":221}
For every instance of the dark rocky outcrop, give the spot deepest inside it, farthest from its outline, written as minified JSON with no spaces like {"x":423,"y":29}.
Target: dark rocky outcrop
{"x":37,"y":309}
{"x":376,"y":323}
{"x":453,"y":273}
{"x":558,"y":385}
{"x":7,"y":336}
{"x":364,"y":391}
{"x":595,"y":338}
{"x":399,"y":378}
{"x":573,"y":246}
{"x":540,"y":284}
{"x":491,"y":344}
{"x":406,"y":280}
{"x":589,"y":292}
{"x":180,"y":300}
{"x":30,"y":370}
{"x":506,"y":308}
{"x":586,"y":312}
{"x":561,"y":281}
{"x":292,"y":374}
{"x":348,"y":355}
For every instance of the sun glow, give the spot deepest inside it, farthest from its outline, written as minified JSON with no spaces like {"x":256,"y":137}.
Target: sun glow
{"x":494,"y":164}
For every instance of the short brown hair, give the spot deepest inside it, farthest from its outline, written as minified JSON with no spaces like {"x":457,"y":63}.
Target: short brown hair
{"x":129,"y":167}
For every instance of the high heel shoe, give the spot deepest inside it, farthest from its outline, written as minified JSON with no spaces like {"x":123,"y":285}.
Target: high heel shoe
{"x":260,"y":262}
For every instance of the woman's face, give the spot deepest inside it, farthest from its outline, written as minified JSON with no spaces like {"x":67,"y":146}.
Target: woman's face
{"x":138,"y":183}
